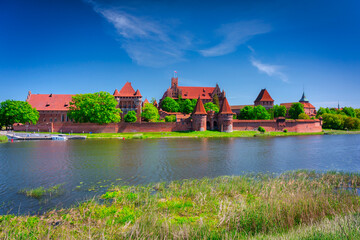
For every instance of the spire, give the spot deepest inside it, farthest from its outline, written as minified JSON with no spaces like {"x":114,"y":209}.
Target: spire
{"x":199,"y":108}
{"x":338,"y":105}
{"x":303,"y":98}
{"x":225,"y":108}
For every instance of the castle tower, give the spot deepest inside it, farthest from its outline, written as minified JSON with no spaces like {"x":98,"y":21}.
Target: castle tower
{"x":199,"y":117}
{"x":226,"y":117}
{"x":303,"y":98}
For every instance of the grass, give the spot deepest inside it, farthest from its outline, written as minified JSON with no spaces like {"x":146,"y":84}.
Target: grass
{"x":41,"y":192}
{"x":294,"y":205}
{"x":3,"y":139}
{"x":339,"y":132}
{"x":190,"y":134}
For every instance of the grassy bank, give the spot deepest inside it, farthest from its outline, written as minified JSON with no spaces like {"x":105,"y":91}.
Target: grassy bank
{"x":3,"y":138}
{"x":340,"y":132}
{"x":191,"y":134}
{"x":294,"y":205}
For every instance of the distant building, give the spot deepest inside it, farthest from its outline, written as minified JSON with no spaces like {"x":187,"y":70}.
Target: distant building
{"x":51,"y":107}
{"x":264,"y":99}
{"x":206,"y":94}
{"x":309,"y":109}
{"x":129,"y":100}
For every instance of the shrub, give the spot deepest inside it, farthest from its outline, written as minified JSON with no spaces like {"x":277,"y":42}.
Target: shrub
{"x":150,"y":113}
{"x":130,"y":116}
{"x":261,"y":129}
{"x":303,"y":116}
{"x":285,"y":130}
{"x":170,"y":118}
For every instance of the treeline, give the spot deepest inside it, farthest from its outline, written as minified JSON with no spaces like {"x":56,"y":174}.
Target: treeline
{"x":187,"y":106}
{"x":346,"y":118}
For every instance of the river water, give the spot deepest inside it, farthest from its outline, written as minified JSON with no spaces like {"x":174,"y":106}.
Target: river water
{"x":88,"y":167}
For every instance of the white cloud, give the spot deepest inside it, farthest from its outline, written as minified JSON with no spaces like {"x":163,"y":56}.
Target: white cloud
{"x":234,"y":35}
{"x":147,"y":42}
{"x":271,"y":70}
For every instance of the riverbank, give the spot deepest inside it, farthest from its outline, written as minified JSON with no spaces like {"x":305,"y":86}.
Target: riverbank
{"x":292,"y":205}
{"x":3,"y":139}
{"x":340,"y":132}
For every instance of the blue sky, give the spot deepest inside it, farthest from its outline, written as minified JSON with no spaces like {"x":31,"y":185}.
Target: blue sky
{"x":87,"y":46}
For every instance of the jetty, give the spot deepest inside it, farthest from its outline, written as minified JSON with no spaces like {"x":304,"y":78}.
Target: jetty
{"x":42,"y":136}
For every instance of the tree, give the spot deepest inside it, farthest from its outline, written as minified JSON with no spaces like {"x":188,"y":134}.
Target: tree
{"x":210,"y":106}
{"x":333,"y":121}
{"x":279,"y":111}
{"x":216,"y":100}
{"x":187,"y":106}
{"x":260,"y":112}
{"x":170,"y":118}
{"x":150,"y":113}
{"x":130,"y":116}
{"x":295,"y":110}
{"x":247,"y":113}
{"x":170,"y":105}
{"x":97,"y":107}
{"x":12,"y":111}
{"x":321,"y":111}
{"x":357,"y":112}
{"x":303,"y":116}
{"x":349,"y":111}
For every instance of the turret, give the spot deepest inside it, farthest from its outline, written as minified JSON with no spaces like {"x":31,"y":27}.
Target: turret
{"x":199,"y":117}
{"x":226,"y":117}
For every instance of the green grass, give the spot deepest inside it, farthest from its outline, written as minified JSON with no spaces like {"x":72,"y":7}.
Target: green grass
{"x":3,"y":139}
{"x":294,"y":205}
{"x":41,"y":192}
{"x":340,"y":132}
{"x":191,"y":134}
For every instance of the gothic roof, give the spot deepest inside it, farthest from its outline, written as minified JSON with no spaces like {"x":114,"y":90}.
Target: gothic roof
{"x":303,"y":98}
{"x":127,"y":91}
{"x":305,"y":104}
{"x":264,"y":96}
{"x":199,"y":108}
{"x":225,"y":108}
{"x":49,"y":102}
{"x":195,"y":92}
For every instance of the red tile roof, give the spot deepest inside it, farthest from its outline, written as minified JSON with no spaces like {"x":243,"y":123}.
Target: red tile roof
{"x":127,"y":91}
{"x":199,"y":108}
{"x":306,"y":105}
{"x":195,"y":92}
{"x":146,"y":101}
{"x":264,"y":96}
{"x":49,"y":102}
{"x":225,"y":108}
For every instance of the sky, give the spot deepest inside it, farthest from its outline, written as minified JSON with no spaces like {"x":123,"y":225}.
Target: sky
{"x":83,"y":46}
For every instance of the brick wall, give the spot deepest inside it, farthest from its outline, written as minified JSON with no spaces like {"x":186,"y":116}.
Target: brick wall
{"x":299,"y":125}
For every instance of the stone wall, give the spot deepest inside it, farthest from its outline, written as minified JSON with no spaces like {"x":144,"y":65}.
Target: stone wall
{"x":299,"y":125}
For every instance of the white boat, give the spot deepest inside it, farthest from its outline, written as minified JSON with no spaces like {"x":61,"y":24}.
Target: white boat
{"x":59,"y":137}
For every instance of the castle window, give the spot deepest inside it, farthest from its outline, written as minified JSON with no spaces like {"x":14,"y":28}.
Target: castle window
{"x":50,"y":119}
{"x":62,"y":118}
{"x":55,"y":119}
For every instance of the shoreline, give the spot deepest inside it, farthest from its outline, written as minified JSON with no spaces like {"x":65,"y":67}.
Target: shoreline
{"x":251,"y":206}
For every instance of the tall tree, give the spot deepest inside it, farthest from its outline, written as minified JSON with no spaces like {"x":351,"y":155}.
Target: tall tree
{"x":170,"y":105}
{"x":12,"y":111}
{"x":247,"y":113}
{"x":279,"y":111}
{"x":97,"y":107}
{"x":295,"y":110}
{"x":150,"y":113}
{"x":210,"y":106}
{"x":216,"y":100}
{"x":261,"y":113}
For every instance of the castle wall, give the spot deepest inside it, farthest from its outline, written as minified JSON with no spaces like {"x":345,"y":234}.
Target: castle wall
{"x":299,"y":125}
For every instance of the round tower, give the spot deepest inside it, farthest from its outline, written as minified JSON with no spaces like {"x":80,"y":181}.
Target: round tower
{"x":226,"y":117}
{"x":199,"y":117}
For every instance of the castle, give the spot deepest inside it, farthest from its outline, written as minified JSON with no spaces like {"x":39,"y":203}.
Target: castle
{"x":53,"y":112}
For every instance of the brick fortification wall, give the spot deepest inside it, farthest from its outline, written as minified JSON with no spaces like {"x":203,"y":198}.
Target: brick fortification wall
{"x":299,"y":125}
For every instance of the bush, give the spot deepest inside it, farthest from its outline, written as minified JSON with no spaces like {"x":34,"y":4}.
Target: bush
{"x":170,"y":118}
{"x":261,"y":129}
{"x":150,"y":113}
{"x":303,"y":116}
{"x":285,"y":130}
{"x":130,"y":116}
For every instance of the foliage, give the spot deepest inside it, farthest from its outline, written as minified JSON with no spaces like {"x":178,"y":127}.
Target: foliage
{"x":150,"y":113}
{"x":130,"y":116}
{"x":279,"y":111}
{"x":247,"y":113}
{"x":349,"y":111}
{"x":153,"y":100}
{"x":295,"y":110}
{"x":260,"y":112}
{"x":3,"y":139}
{"x":285,"y":130}
{"x":216,"y":100}
{"x":210,"y":106}
{"x":303,"y":116}
{"x":261,"y":129}
{"x":41,"y":192}
{"x":333,"y":121}
{"x":97,"y":107}
{"x":238,"y":207}
{"x":357,"y":112}
{"x":12,"y":111}
{"x":187,"y":106}
{"x":170,"y":118}
{"x":170,"y":105}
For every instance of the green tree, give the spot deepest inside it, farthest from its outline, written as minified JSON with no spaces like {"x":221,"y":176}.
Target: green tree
{"x":187,"y":105}
{"x":357,"y":112}
{"x":130,"y":116}
{"x":303,"y":116}
{"x":210,"y":106}
{"x":247,"y":113}
{"x":150,"y":113}
{"x":12,"y":111}
{"x":170,"y":105}
{"x":333,"y":121}
{"x":295,"y":110}
{"x":279,"y":111}
{"x":216,"y":100}
{"x":97,"y":107}
{"x":170,"y":118}
{"x":260,"y":112}
{"x":349,"y":111}
{"x":321,"y":111}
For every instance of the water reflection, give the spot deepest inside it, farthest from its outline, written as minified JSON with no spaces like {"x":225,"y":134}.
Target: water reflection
{"x":102,"y":162}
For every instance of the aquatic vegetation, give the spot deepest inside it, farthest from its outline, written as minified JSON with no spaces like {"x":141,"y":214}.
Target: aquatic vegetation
{"x":295,"y":205}
{"x":41,"y":192}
